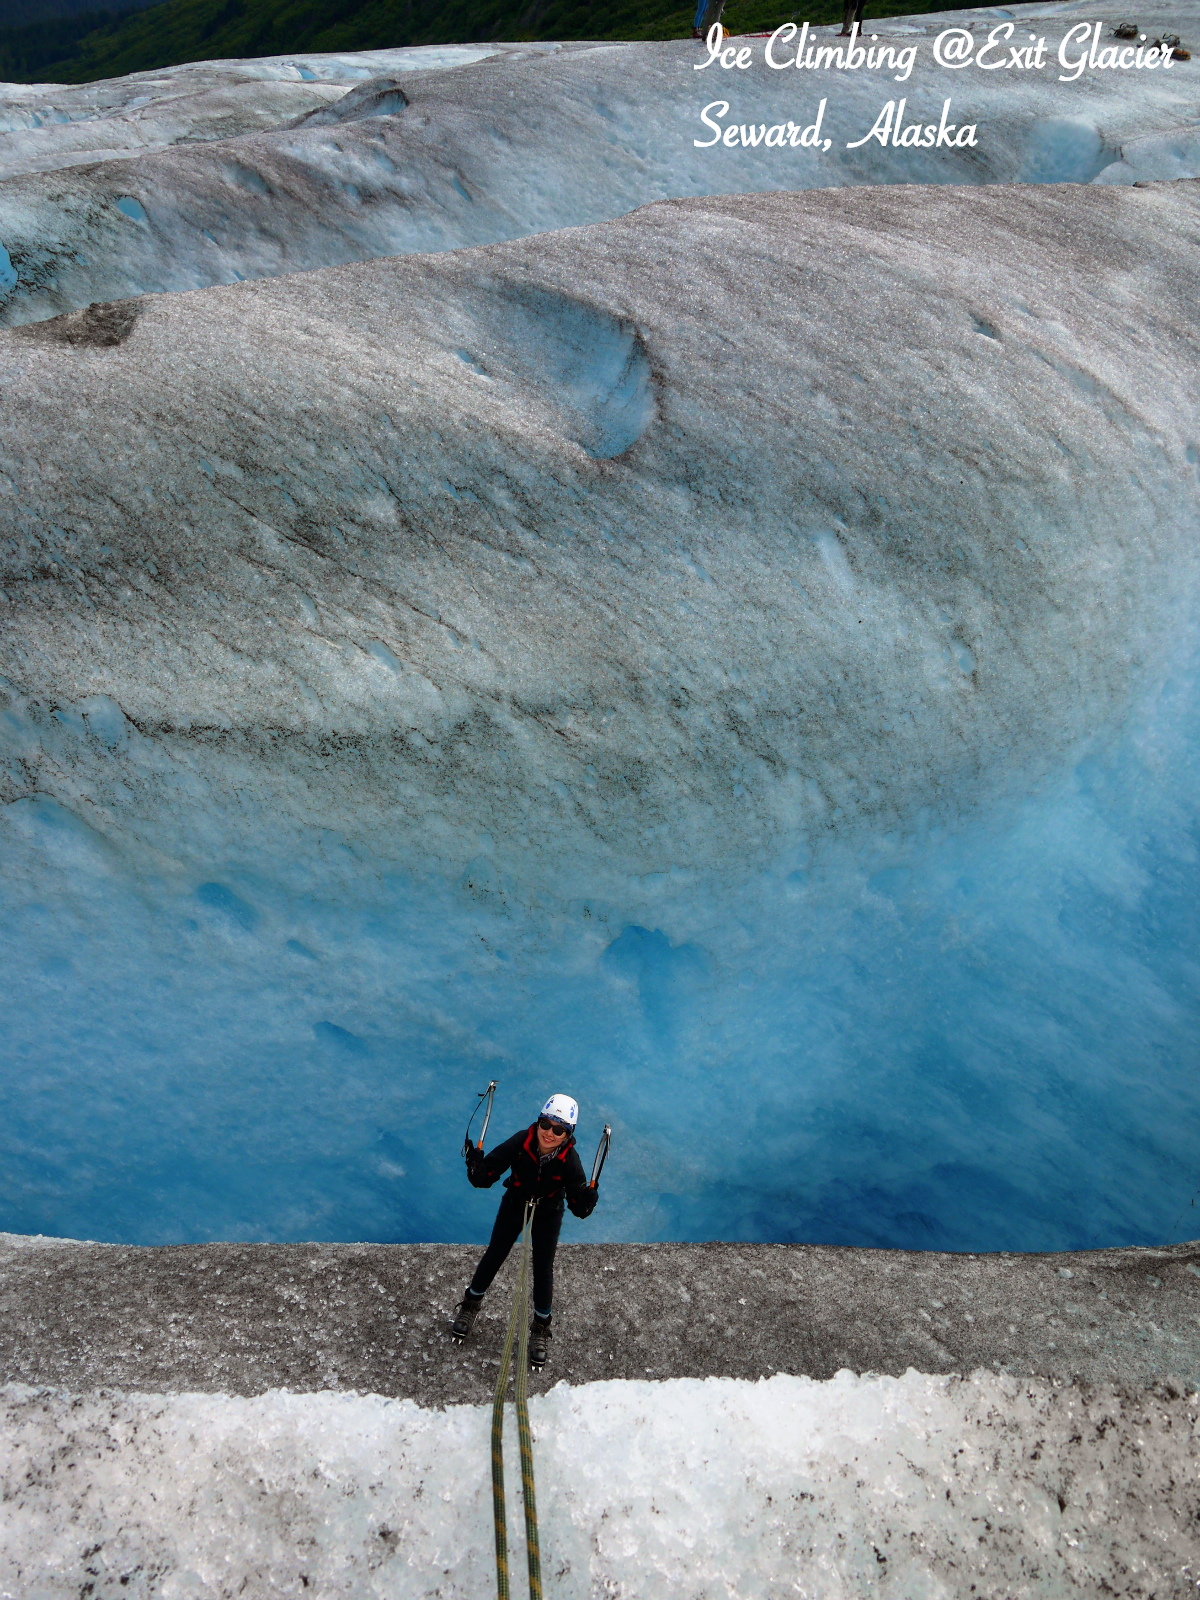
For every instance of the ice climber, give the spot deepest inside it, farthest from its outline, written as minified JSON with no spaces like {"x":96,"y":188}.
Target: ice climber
{"x":699,"y":31}
{"x":546,"y":1168}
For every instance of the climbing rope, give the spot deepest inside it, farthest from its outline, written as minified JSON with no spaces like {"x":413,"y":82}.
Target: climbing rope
{"x":532,"y":1547}
{"x":518,"y":1320}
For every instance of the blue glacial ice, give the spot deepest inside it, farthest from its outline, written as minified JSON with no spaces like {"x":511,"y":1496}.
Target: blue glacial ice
{"x":792,"y":757}
{"x":971,"y":1034}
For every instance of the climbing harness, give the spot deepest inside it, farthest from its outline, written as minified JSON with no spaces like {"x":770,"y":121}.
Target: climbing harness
{"x":601,"y":1154}
{"x":518,"y":1321}
{"x":489,"y":1094}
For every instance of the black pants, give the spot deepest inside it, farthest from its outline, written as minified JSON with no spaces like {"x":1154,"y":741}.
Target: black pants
{"x":852,"y":11}
{"x":547,"y":1220}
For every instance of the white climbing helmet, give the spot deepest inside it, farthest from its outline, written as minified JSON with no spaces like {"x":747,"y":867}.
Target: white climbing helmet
{"x":562,"y":1108}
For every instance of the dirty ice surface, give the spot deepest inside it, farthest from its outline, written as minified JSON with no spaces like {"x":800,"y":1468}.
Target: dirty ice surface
{"x":244,"y":170}
{"x":768,"y":716}
{"x":912,"y":1486}
{"x":44,"y":127}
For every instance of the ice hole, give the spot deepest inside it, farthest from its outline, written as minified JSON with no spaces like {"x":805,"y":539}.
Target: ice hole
{"x":247,"y":178}
{"x":131,"y":208}
{"x":590,"y":365}
{"x":231,"y":907}
{"x":378,"y":97}
{"x":341,"y":1038}
{"x":105,"y":719}
{"x":1065,"y":150}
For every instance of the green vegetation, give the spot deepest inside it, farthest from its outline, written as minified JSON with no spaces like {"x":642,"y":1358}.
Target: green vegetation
{"x":102,"y":45}
{"x":26,"y":51}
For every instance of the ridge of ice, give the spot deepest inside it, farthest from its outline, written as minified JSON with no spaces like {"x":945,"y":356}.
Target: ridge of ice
{"x":496,"y":143}
{"x":909,"y":1486}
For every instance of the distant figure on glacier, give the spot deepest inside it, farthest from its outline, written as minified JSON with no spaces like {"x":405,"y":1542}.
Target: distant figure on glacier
{"x":699,"y":31}
{"x":545,"y":1168}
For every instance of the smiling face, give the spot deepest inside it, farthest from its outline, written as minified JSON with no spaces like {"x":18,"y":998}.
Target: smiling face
{"x":550,"y":1135}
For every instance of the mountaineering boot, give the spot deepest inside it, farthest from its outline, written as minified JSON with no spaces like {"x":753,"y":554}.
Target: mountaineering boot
{"x":539,"y":1342}
{"x":465,"y":1313}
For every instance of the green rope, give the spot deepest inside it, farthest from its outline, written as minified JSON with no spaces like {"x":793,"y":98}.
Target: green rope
{"x":498,"y":1507}
{"x":518,"y":1319}
{"x":532,"y":1548}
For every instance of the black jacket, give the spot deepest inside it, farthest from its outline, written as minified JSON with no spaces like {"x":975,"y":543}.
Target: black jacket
{"x":549,"y":1182}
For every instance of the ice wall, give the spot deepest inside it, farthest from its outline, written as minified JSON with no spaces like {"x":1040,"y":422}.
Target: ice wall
{"x":756,"y":696}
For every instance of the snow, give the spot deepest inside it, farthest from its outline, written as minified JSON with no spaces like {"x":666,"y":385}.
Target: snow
{"x":735,"y":665}
{"x":912,"y":1486}
{"x":248,"y":169}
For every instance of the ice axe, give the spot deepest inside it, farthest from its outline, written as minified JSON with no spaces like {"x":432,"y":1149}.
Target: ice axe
{"x":489,"y":1094}
{"x":601,"y":1155}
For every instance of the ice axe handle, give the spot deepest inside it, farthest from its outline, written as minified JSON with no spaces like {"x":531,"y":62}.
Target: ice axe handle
{"x":601,"y":1155}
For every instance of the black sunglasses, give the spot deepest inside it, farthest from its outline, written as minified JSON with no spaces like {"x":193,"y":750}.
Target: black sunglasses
{"x":552,"y":1127}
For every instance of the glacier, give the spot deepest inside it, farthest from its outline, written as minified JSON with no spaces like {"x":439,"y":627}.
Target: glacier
{"x":488,"y":590}
{"x":245,"y":170}
{"x":733,"y":662}
{"x":871,"y":1485}
{"x":228,"y":1419}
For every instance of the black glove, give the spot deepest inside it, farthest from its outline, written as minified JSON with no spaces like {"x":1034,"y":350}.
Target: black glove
{"x":583,"y":1202}
{"x":474,"y":1157}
